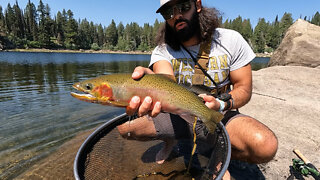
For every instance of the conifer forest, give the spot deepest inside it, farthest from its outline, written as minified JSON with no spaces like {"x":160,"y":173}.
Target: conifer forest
{"x":35,"y":27}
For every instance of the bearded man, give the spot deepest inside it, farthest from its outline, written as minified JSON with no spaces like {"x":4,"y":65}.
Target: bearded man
{"x":188,"y":27}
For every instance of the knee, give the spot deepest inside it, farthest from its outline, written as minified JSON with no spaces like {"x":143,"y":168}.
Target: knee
{"x":138,"y":129}
{"x":265,"y":147}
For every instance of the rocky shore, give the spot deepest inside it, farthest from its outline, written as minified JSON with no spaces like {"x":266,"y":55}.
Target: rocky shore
{"x":287,"y":100}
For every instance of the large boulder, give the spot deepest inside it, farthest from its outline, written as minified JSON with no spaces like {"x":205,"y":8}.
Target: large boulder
{"x":300,"y":46}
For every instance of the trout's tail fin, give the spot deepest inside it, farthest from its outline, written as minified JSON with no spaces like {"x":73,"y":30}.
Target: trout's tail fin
{"x":211,"y":124}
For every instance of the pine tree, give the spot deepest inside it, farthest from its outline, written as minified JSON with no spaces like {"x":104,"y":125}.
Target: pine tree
{"x":247,"y":30}
{"x":316,"y":19}
{"x":45,"y":25}
{"x":236,"y":24}
{"x":111,"y":35}
{"x":273,"y":35}
{"x":9,"y":19}
{"x":156,"y":26}
{"x":120,"y":30}
{"x":18,"y":22}
{"x":285,"y":23}
{"x":101,"y":36}
{"x":145,"y":38}
{"x":121,"y":45}
{"x":2,"y":23}
{"x":133,"y":32}
{"x":93,"y":33}
{"x":259,"y":41}
{"x":31,"y":22}
{"x":71,"y":32}
{"x":84,"y":37}
{"x":60,"y":22}
{"x":227,"y":24}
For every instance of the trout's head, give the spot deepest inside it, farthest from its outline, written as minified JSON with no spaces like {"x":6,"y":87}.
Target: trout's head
{"x":93,"y":91}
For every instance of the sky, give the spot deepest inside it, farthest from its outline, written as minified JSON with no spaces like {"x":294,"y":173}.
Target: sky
{"x":143,"y":11}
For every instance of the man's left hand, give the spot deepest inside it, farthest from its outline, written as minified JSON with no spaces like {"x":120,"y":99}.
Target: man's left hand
{"x":210,"y":102}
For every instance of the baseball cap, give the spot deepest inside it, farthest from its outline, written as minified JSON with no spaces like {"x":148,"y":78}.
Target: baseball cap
{"x":162,"y":3}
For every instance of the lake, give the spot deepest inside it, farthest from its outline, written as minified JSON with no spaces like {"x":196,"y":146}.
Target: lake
{"x":37,"y":113}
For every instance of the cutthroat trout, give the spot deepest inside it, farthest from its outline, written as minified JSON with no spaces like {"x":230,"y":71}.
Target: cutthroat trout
{"x":118,"y":89}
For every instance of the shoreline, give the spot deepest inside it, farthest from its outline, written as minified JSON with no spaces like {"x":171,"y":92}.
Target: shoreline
{"x":99,"y":51}
{"x":74,"y":51}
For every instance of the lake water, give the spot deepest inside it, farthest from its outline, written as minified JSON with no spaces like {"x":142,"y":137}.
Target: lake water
{"x":37,"y":113}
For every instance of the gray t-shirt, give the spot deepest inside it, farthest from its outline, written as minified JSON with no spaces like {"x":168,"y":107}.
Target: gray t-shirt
{"x":229,"y":52}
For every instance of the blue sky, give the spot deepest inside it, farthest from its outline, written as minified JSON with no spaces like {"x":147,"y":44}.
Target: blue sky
{"x":143,"y":11}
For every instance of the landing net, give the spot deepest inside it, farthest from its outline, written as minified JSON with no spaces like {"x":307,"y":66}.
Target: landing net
{"x":105,"y":154}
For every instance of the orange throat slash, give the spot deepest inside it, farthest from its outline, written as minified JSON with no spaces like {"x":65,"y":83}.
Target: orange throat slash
{"x":100,"y":94}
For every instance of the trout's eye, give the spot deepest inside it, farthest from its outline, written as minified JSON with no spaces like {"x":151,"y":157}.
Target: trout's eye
{"x":88,"y":86}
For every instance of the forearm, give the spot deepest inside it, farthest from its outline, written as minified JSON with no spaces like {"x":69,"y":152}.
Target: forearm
{"x":241,"y":95}
{"x":242,"y":86}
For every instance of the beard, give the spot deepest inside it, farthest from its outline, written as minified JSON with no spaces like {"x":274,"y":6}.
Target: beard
{"x":190,"y":30}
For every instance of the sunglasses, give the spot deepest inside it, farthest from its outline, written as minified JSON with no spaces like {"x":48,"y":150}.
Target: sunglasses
{"x":168,"y":13}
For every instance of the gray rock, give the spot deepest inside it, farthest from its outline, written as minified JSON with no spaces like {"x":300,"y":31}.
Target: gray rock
{"x":300,"y":46}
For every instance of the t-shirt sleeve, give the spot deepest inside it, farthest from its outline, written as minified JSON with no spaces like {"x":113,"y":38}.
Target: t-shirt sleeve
{"x":242,"y":53}
{"x":159,"y":53}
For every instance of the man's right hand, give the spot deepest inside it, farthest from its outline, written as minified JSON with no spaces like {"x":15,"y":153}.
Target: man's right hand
{"x":145,"y":106}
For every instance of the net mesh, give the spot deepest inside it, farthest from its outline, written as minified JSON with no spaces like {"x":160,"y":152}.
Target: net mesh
{"x":107,"y":155}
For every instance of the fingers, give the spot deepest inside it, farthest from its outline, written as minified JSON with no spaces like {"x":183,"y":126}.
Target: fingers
{"x":143,"y":108}
{"x":133,"y":105}
{"x":206,"y":97}
{"x":156,"y":109}
{"x":140,"y":71}
{"x":210,"y":102}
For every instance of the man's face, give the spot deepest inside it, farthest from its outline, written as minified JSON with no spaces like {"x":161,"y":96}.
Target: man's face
{"x":184,"y":23}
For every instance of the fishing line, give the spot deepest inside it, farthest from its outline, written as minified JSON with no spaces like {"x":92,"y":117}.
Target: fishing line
{"x":269,"y":96}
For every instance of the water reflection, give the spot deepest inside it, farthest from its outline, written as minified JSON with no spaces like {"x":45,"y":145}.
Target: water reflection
{"x":37,"y":112}
{"x":44,"y":78}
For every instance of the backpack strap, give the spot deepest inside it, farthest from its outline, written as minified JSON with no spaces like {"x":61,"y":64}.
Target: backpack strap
{"x":203,"y":60}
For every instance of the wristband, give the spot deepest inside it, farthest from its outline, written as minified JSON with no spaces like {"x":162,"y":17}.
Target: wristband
{"x":228,"y":106}
{"x":222,"y":105}
{"x":232,"y":103}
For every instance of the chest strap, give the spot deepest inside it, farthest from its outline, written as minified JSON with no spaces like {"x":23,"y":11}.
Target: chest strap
{"x":203,"y":60}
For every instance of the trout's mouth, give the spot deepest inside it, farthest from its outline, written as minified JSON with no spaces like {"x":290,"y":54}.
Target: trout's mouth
{"x":87,"y":97}
{"x":96,"y":95}
{"x":83,"y":96}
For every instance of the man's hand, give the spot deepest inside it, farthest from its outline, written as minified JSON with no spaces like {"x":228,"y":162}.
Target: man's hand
{"x":145,"y":106}
{"x":210,"y":102}
{"x":140,"y":71}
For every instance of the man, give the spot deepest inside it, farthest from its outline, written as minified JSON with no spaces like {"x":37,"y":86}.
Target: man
{"x":189,"y":24}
